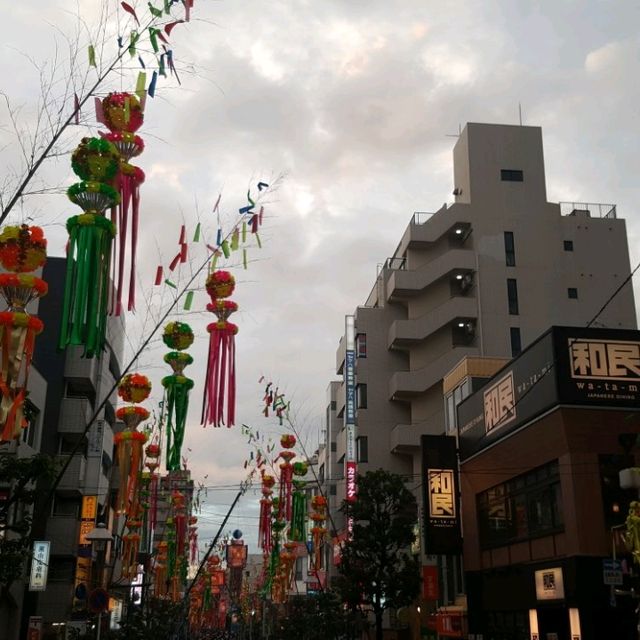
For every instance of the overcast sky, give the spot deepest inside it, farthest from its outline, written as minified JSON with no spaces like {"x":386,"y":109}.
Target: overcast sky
{"x":355,"y":103}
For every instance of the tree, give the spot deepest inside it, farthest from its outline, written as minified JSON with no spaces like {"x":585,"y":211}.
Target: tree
{"x":155,"y":621}
{"x":20,"y":476}
{"x":377,"y":568}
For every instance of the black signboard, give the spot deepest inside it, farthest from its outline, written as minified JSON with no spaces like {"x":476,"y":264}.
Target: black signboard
{"x":442,"y":534}
{"x":566,"y":365}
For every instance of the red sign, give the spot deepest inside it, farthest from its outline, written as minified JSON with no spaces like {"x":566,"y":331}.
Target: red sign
{"x":35,"y":628}
{"x":430,"y":582}
{"x":338,"y":544}
{"x":352,"y":473}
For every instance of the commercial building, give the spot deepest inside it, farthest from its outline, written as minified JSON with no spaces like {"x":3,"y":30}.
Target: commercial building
{"x":482,"y":277}
{"x":541,"y":445}
{"x":75,"y":387}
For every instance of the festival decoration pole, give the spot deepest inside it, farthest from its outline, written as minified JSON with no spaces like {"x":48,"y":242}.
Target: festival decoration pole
{"x":220,"y":381}
{"x":22,"y":249}
{"x":86,"y":292}
{"x":178,"y":336}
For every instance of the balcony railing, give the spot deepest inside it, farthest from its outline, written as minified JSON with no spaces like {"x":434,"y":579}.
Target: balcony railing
{"x":420,"y":217}
{"x":589,"y":209}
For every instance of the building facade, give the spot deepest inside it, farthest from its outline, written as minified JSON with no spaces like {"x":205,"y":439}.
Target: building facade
{"x":482,"y":277}
{"x":542,"y":444}
{"x":76,"y":387}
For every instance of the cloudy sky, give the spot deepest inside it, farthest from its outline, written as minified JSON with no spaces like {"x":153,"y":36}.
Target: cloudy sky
{"x":350,"y":108}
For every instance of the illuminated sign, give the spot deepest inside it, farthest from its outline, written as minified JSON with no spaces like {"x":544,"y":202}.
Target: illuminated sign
{"x":441,"y":523}
{"x":351,"y":475}
{"x":442,"y":499}
{"x":549,"y":584}
{"x":613,"y":359}
{"x":39,"y":566}
{"x":499,"y":403}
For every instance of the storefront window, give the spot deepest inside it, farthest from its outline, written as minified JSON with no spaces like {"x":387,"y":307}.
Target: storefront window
{"x":527,"y":506}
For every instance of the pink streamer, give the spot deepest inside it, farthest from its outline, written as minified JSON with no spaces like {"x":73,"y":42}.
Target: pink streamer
{"x":220,"y":382}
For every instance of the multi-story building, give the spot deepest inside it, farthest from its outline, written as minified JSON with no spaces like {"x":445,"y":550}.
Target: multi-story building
{"x":541,"y":446}
{"x":483,"y":276}
{"x":76,"y":387}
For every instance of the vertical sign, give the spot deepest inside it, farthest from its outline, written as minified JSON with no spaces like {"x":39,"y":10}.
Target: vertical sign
{"x":34,"y":631}
{"x":351,"y":469}
{"x":442,"y":533}
{"x":88,"y":514}
{"x":39,"y":566}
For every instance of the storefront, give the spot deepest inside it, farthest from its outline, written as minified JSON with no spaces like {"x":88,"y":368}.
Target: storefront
{"x":541,"y":450}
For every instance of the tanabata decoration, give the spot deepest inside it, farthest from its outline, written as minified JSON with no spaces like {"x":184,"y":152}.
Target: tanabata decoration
{"x":632,"y":531}
{"x":22,"y":249}
{"x":86,"y":291}
{"x":297,"y":530}
{"x":178,"y":336}
{"x":264,"y":526}
{"x":160,"y":569}
{"x":193,"y":539}
{"x":287,"y":442}
{"x":220,"y":380}
{"x":318,"y":531}
{"x":134,"y":388}
{"x":122,"y":113}
{"x":152,"y":463}
{"x":130,"y":548}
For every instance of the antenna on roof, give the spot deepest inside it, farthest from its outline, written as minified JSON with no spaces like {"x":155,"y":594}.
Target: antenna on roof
{"x":520,"y":112}
{"x":455,"y":135}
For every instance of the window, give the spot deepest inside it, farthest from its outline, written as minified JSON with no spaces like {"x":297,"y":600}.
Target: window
{"x":512,"y":293}
{"x":31,"y":413}
{"x":568,"y":245}
{"x":516,"y":342}
{"x":572,"y":292}
{"x":362,"y":446}
{"x":298,"y":576}
{"x":65,"y":507}
{"x":361,"y":396}
{"x":321,"y":474}
{"x":509,"y":249}
{"x":334,"y":447}
{"x":527,"y":506}
{"x":511,"y":175}
{"x":361,"y":345}
{"x":332,"y":489}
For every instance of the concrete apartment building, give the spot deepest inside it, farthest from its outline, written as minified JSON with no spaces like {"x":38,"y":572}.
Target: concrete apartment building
{"x":483,"y":277}
{"x":75,"y":386}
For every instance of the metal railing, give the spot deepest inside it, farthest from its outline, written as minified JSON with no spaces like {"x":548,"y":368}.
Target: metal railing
{"x":420,"y":217}
{"x":395,"y":264}
{"x":589,"y":209}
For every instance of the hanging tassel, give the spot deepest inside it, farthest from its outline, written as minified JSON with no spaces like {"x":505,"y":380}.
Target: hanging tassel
{"x":177,"y":403}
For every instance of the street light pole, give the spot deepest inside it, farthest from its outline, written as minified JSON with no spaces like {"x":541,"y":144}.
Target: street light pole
{"x":98,"y":537}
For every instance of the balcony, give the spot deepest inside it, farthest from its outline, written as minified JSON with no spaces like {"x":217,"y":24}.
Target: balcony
{"x":405,"y":384}
{"x":63,"y":533}
{"x":75,"y":414}
{"x":588,"y":209}
{"x":402,"y":333}
{"x":425,"y":229}
{"x":85,"y":370}
{"x":73,"y":478}
{"x":341,"y":398}
{"x":405,"y":284}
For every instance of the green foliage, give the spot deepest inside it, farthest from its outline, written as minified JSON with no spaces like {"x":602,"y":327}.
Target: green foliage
{"x":377,"y":567}
{"x":21,"y":476}
{"x":157,"y":620}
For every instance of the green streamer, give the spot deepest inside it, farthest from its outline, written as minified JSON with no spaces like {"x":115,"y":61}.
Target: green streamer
{"x":244,"y":232}
{"x":297,"y":532}
{"x":196,"y":235}
{"x":225,"y":248}
{"x":188,"y":301}
{"x":92,"y":56}
{"x":258,"y":241}
{"x":141,"y":85}
{"x":235,"y":239}
{"x":177,"y":390}
{"x":170,"y":284}
{"x":132,"y":43}
{"x":244,"y":258}
{"x":156,"y":13}
{"x":153,"y":38}
{"x":86,"y":291}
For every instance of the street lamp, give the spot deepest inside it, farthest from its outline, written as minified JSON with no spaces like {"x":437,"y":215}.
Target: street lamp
{"x":98,"y":537}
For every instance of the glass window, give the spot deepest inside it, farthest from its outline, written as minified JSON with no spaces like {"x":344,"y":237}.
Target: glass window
{"x":512,"y":295}
{"x":572,"y":292}
{"x":362,"y":445}
{"x":516,"y":342}
{"x":361,"y":345}
{"x":568,"y":245}
{"x":526,"y":506}
{"x":509,"y":249}
{"x":511,"y":175}
{"x":334,"y":447}
{"x":451,"y":413}
{"x":361,"y":396}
